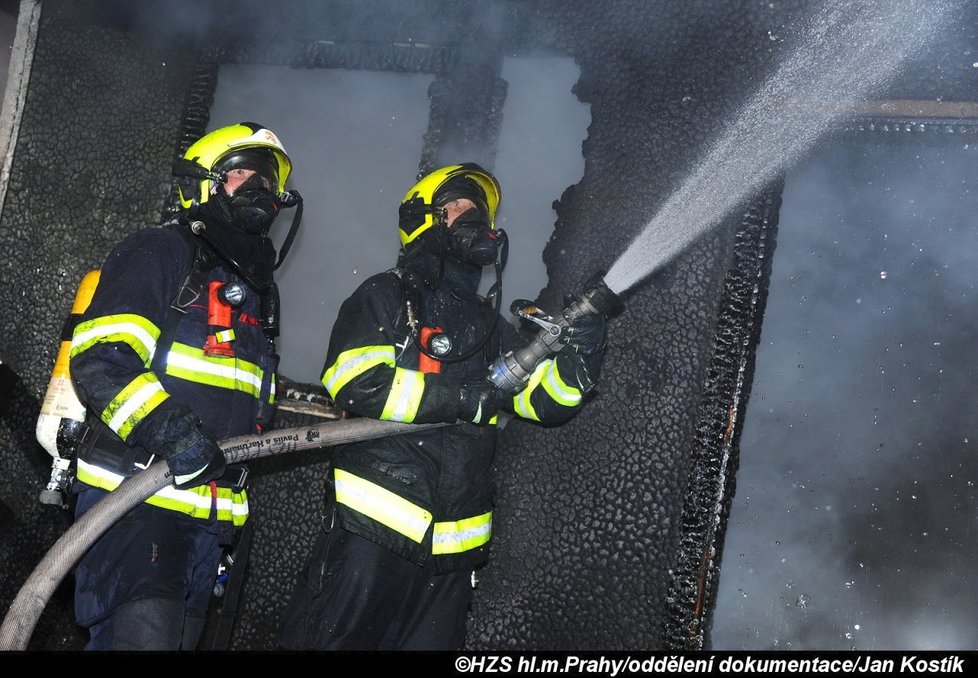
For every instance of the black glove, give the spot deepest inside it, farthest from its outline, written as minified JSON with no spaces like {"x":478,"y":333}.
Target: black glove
{"x":198,"y":464}
{"x":586,"y":335}
{"x":192,"y":455}
{"x":479,"y":400}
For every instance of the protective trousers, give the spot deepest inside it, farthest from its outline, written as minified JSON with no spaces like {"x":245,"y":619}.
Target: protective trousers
{"x":147,"y":582}
{"x":356,"y":595}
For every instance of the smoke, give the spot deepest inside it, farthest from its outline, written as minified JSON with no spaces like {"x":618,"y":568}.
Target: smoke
{"x":355,"y":139}
{"x":848,"y":52}
{"x":854,"y":520}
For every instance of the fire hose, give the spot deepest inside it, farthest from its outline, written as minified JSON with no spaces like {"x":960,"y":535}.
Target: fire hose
{"x":34,"y":595}
{"x":510,"y":373}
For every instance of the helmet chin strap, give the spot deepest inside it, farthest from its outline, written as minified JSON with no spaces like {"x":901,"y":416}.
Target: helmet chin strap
{"x":286,"y":200}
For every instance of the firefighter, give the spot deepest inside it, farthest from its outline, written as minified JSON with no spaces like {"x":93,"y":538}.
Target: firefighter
{"x":410,"y":517}
{"x":175,"y":352}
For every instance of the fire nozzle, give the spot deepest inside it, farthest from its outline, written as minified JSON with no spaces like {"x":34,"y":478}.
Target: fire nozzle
{"x":512,"y":371}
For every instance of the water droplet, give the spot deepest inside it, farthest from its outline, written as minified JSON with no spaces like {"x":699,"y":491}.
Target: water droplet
{"x":857,"y":627}
{"x":974,"y":64}
{"x":882,"y":275}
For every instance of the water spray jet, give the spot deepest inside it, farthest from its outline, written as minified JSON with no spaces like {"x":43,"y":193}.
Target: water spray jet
{"x":848,"y":52}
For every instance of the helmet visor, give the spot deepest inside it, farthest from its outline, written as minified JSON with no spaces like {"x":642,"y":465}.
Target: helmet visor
{"x":261,"y":160}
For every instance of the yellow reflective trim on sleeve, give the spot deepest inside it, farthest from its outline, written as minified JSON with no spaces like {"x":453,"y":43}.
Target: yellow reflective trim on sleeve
{"x":562,"y":393}
{"x":405,"y":396}
{"x":133,"y":330}
{"x":461,"y":535}
{"x":140,"y":397}
{"x":521,"y":401}
{"x":224,"y":336}
{"x":354,"y":362}
{"x":382,"y":505}
{"x":195,"y":502}
{"x":189,"y":363}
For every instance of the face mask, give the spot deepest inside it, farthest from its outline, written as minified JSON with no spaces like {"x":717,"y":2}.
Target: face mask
{"x":471,"y":241}
{"x":253,"y":207}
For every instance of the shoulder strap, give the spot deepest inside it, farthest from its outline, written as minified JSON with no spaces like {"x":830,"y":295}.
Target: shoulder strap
{"x":196,"y":271}
{"x":406,"y":324}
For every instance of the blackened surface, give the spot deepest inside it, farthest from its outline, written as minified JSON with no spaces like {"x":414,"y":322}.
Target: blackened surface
{"x":91,"y":164}
{"x":196,"y":114}
{"x":715,"y":449}
{"x":589,"y":519}
{"x":590,"y":515}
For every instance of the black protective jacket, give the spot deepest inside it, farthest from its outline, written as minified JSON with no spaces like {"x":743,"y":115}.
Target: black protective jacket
{"x":152,"y":393}
{"x":431,"y":492}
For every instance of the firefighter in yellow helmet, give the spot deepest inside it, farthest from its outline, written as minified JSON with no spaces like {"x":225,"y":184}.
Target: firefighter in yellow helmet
{"x":175,"y":352}
{"x":411,"y":516}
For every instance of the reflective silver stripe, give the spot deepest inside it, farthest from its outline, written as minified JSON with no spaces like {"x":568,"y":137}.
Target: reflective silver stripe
{"x":109,"y":480}
{"x":382,"y":505}
{"x":142,"y":396}
{"x":227,"y":504}
{"x":144,"y":344}
{"x":404,"y":399}
{"x":461,"y":535}
{"x":353,"y":363}
{"x":229,"y":371}
{"x":194,"y":503}
{"x":558,"y":390}
{"x":521,"y":402}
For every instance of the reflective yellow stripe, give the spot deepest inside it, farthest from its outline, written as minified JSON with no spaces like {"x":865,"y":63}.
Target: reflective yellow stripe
{"x":461,"y":535}
{"x":566,"y":395}
{"x":189,"y":363}
{"x":133,"y":330}
{"x":194,"y":502}
{"x":225,"y":335}
{"x":353,"y":363}
{"x":405,"y":396}
{"x":381,"y":505}
{"x":521,"y":401}
{"x":140,"y":397}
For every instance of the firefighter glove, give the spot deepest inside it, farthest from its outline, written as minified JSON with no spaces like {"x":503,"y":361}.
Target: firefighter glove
{"x":192,"y":455}
{"x":586,"y":335}
{"x":198,"y":464}
{"x":479,"y":400}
